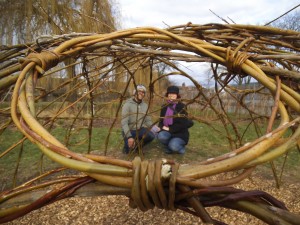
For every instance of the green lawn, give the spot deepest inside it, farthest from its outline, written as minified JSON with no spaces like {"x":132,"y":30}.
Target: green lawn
{"x":205,"y":142}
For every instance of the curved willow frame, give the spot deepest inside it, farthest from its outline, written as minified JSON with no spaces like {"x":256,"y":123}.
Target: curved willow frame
{"x":267,"y":54}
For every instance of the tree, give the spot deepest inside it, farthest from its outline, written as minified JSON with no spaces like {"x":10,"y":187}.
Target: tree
{"x":24,"y":21}
{"x":289,"y":21}
{"x":47,"y":18}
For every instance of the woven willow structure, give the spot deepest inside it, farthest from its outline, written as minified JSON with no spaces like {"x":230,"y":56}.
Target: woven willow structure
{"x":106,"y":66}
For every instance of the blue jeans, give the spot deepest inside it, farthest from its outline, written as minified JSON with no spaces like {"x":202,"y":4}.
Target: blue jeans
{"x":172,"y":144}
{"x":142,"y":137}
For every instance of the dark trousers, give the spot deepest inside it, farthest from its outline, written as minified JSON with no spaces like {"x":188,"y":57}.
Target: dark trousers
{"x":142,"y":137}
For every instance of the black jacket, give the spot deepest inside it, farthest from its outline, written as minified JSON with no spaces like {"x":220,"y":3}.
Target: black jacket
{"x":179,"y":127}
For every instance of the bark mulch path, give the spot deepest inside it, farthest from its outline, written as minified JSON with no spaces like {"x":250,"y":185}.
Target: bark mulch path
{"x":115,"y":209}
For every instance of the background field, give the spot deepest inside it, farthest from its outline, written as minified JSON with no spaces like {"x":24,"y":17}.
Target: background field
{"x":206,"y":141}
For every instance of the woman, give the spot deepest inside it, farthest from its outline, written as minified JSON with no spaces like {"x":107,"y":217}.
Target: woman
{"x":174,"y":134}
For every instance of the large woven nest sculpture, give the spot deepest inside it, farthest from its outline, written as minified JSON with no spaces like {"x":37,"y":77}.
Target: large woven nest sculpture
{"x":107,"y":66}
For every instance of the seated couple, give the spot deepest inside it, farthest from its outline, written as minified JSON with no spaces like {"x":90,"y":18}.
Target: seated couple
{"x":172,"y":130}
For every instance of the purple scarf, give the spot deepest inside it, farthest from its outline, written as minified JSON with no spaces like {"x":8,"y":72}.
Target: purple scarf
{"x":168,"y":120}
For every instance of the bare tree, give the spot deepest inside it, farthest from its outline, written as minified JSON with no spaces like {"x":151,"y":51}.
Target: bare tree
{"x":289,"y":21}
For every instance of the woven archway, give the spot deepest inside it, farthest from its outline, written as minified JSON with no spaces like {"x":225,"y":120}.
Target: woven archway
{"x":96,"y":66}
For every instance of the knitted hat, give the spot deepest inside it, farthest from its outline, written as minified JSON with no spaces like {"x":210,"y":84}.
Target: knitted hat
{"x":173,"y":90}
{"x":139,"y":87}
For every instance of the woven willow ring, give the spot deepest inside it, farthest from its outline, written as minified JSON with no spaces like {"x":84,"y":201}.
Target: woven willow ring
{"x":100,"y":69}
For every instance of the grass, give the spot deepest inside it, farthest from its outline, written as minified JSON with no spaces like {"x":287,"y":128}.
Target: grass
{"x":205,"y":142}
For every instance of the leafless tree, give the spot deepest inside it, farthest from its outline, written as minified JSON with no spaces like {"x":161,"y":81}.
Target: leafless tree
{"x":289,"y":21}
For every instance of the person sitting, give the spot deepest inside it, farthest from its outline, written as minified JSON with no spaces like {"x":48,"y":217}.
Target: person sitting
{"x":174,"y":133}
{"x":135,"y":122}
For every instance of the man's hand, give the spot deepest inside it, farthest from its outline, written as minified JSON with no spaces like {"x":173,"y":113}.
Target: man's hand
{"x":131,"y":142}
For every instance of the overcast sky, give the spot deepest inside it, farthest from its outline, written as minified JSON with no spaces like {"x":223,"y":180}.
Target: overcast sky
{"x":164,"y":13}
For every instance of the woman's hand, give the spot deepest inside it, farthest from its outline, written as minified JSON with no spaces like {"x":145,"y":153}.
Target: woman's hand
{"x":166,"y":128}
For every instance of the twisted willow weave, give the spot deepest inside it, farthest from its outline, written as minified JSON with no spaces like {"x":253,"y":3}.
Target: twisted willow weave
{"x":95,"y":72}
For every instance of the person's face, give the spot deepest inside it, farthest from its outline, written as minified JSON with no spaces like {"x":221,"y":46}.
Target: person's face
{"x":172,"y":96}
{"x":140,"y":95}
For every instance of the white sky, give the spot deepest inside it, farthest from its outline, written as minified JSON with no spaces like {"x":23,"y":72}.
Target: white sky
{"x":164,"y":13}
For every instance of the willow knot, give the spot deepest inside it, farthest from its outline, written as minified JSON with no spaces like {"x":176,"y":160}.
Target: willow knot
{"x":45,"y":60}
{"x":153,"y":184}
{"x":234,"y":60}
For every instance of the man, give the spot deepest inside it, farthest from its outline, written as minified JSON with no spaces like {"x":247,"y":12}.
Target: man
{"x":135,"y":122}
